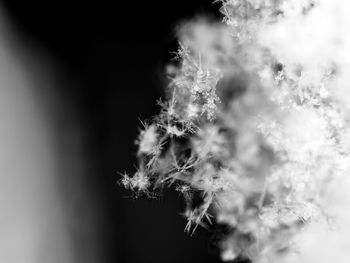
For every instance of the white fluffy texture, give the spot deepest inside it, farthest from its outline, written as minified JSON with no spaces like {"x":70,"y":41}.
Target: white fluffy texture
{"x":314,"y":43}
{"x":147,"y":140}
{"x":323,"y":241}
{"x":211,"y":42}
{"x":317,"y":40}
{"x":266,"y":164}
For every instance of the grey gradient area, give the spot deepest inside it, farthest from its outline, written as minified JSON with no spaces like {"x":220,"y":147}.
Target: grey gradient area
{"x":41,"y":163}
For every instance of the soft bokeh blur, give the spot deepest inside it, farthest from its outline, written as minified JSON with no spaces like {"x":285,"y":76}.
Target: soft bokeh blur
{"x":75,"y":78}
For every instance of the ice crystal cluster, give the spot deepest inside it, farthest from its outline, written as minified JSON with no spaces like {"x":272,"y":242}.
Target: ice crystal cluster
{"x":256,"y":127}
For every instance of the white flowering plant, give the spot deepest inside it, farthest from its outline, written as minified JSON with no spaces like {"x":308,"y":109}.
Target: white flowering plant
{"x":255,"y":125}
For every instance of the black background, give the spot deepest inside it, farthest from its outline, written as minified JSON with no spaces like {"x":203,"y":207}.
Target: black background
{"x":114,"y":53}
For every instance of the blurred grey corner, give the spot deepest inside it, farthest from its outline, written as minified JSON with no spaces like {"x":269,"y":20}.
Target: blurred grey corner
{"x":39,"y":165}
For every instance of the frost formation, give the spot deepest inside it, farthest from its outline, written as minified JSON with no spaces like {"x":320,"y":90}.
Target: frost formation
{"x":255,"y":124}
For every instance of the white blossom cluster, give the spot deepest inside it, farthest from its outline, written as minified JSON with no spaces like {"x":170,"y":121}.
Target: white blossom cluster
{"x":256,"y":124}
